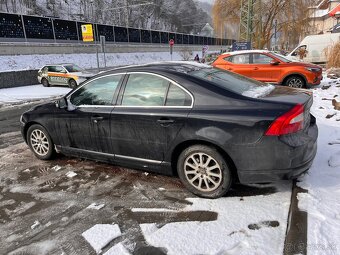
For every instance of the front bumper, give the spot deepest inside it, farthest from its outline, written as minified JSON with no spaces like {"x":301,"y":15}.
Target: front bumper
{"x":284,"y":158}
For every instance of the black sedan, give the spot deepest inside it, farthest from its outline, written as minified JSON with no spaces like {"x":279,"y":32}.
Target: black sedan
{"x":208,"y":126}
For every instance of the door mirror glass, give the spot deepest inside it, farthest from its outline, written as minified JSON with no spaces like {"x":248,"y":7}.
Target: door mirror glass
{"x":61,"y":103}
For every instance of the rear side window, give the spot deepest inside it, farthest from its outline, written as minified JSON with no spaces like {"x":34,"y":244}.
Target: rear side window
{"x":145,"y":90}
{"x":177,"y":97}
{"x":97,"y":92}
{"x":238,"y":59}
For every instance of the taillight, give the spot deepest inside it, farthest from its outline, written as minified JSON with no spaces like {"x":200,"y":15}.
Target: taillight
{"x":290,"y":122}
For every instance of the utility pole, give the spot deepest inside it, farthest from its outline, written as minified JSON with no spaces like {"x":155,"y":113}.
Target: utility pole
{"x":127,"y":13}
{"x":248,"y":19}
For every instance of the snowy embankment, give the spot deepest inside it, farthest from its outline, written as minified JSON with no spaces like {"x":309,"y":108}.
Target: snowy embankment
{"x":322,"y":201}
{"x":87,"y":61}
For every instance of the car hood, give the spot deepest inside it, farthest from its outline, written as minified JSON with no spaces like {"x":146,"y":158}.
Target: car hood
{"x":304,"y":64}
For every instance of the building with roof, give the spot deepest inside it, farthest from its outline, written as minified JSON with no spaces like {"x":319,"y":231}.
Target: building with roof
{"x":324,"y":16}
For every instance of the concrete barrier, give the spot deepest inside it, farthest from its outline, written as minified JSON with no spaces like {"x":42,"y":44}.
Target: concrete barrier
{"x":74,"y":48}
{"x":18,"y":78}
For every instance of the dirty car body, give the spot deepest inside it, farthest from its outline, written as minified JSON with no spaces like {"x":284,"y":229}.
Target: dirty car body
{"x":261,"y":137}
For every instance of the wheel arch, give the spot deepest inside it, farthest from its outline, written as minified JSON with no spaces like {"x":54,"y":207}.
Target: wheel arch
{"x":183,"y":145}
{"x":294,"y":74}
{"x":28,"y":125}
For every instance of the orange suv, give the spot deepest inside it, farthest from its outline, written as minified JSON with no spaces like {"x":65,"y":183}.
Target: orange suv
{"x":270,"y":67}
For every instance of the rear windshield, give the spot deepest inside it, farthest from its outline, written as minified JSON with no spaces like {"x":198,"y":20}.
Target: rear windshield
{"x":234,"y":82}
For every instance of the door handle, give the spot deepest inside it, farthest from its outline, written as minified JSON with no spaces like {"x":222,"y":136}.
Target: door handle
{"x":95,"y":119}
{"x":229,"y":69}
{"x":256,"y":68}
{"x":165,"y":121}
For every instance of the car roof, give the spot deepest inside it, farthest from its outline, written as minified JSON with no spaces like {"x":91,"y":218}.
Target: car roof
{"x":245,"y":51}
{"x":178,"y":66}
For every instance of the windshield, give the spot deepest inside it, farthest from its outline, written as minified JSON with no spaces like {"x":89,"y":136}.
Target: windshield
{"x":281,"y":57}
{"x":73,"y":68}
{"x":234,"y":82}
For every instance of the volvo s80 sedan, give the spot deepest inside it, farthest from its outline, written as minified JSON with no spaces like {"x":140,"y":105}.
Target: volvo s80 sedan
{"x":208,"y":126}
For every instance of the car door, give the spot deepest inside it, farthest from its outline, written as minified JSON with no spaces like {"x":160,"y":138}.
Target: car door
{"x":85,"y":125}
{"x":151,"y":113}
{"x":57,"y":75}
{"x":263,"y":68}
{"x":239,"y":64}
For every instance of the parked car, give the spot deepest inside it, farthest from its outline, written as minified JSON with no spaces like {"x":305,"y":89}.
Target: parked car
{"x":315,"y":47}
{"x":270,"y":67}
{"x":63,"y":74}
{"x":209,"y":126}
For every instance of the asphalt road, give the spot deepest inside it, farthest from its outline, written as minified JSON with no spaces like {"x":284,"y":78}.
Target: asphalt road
{"x":40,"y":191}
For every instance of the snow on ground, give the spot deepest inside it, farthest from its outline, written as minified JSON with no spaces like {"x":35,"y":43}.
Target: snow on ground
{"x":100,"y":235}
{"x":247,"y":226}
{"x":30,"y":93}
{"x":323,"y":179}
{"x":87,"y":61}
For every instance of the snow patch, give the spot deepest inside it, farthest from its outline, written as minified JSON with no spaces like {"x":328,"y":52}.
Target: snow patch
{"x":100,"y":235}
{"x":71,"y":174}
{"x":95,"y":206}
{"x":259,"y":91}
{"x":334,"y":160}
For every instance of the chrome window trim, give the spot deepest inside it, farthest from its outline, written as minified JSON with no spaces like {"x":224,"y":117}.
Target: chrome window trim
{"x":137,"y":106}
{"x":160,"y":106}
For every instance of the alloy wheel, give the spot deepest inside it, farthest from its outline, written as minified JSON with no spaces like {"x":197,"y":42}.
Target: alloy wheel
{"x":39,"y":142}
{"x":203,"y":172}
{"x":295,"y":83}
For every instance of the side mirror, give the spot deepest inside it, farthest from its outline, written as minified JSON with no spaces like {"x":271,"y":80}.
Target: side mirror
{"x":61,"y":103}
{"x":274,"y":62}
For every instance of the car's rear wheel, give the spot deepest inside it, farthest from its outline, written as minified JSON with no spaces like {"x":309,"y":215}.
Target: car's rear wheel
{"x":295,"y":82}
{"x":40,"y":142}
{"x":204,"y":172}
{"x":72,"y":83}
{"x":45,"y":82}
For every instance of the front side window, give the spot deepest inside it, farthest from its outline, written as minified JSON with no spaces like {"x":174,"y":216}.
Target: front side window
{"x":97,"y":92}
{"x":261,"y":59}
{"x":239,"y":59}
{"x":145,"y":90}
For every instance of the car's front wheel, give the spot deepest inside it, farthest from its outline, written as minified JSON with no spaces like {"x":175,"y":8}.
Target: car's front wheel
{"x":45,"y":82}
{"x":40,"y":142}
{"x":72,"y":84}
{"x":204,"y":171}
{"x":295,"y":82}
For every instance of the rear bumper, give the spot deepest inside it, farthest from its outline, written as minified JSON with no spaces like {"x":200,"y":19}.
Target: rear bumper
{"x":263,"y":176}
{"x":285,"y":158}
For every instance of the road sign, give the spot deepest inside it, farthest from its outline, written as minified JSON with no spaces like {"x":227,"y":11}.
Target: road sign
{"x":171,"y":42}
{"x":241,"y":46}
{"x":87,"y":32}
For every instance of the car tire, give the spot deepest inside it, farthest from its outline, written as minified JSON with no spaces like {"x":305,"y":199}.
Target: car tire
{"x":45,"y":82}
{"x":40,"y":142}
{"x":295,"y":82}
{"x":204,"y":171}
{"x":72,"y":83}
